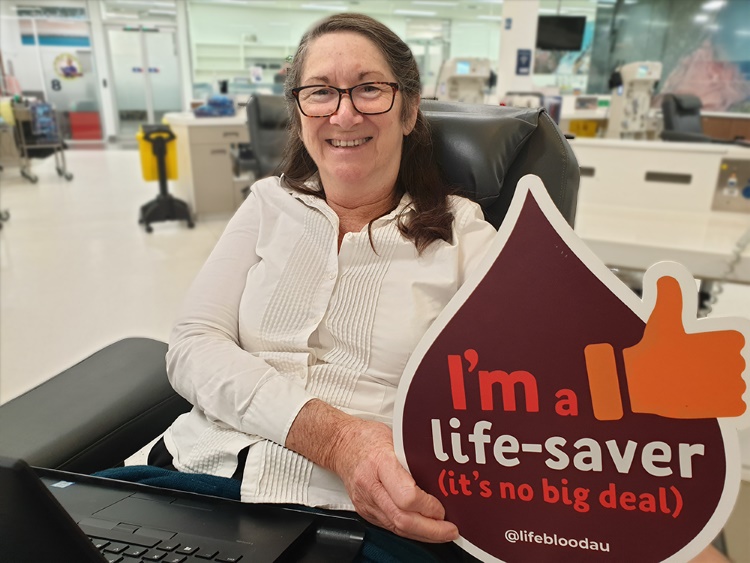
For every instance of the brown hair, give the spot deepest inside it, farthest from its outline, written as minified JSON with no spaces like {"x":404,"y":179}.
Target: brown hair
{"x":430,"y":218}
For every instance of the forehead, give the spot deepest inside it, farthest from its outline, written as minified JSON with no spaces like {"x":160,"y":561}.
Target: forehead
{"x":343,"y":52}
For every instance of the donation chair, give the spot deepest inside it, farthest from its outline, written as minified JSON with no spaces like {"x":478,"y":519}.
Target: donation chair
{"x":682,"y":121}
{"x":99,"y":412}
{"x":267,"y":121}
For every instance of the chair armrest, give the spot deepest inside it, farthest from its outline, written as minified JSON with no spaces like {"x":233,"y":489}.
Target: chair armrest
{"x":95,"y":414}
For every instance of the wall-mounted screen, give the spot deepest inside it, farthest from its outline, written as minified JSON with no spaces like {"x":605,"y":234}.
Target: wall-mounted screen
{"x":560,"y":33}
{"x":463,"y":67}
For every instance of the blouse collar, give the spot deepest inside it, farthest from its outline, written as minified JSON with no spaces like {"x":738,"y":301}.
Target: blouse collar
{"x":319,"y":203}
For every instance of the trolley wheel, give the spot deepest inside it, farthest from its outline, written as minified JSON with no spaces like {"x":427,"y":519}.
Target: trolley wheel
{"x":149,"y":228}
{"x":60,"y":171}
{"x":30,"y":177}
{"x":4,"y":216}
{"x":190,"y":224}
{"x":68,"y":176}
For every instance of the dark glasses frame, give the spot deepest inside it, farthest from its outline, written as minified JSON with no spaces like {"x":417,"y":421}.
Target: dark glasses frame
{"x":342,"y":91}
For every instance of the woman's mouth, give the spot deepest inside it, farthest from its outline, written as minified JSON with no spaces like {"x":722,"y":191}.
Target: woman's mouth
{"x":339,"y":143}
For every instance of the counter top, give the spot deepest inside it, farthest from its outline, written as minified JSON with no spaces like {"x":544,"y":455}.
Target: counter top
{"x":637,"y":238}
{"x":725,"y":114}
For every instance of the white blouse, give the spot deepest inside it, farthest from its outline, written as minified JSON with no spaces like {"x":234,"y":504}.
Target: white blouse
{"x":279,"y":315}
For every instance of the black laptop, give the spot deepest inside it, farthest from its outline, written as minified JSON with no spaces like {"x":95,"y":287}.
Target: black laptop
{"x":58,"y":517}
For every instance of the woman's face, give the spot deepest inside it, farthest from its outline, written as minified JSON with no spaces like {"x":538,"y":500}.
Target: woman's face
{"x":346,"y":59}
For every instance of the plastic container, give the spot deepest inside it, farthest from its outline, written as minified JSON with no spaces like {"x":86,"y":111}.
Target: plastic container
{"x":149,"y":165}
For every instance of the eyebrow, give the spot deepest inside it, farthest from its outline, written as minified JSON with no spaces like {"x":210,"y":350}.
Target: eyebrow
{"x":323,"y":79}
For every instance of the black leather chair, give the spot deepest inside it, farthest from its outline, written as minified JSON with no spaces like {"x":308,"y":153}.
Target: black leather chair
{"x":102,"y":410}
{"x":682,"y":121}
{"x":267,"y":120}
{"x":485,"y":150}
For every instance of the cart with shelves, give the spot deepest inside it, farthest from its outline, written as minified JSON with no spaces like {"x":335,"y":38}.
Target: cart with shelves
{"x":37,"y":132}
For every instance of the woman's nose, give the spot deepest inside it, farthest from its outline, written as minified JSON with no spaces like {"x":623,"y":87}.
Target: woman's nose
{"x":347,"y":114}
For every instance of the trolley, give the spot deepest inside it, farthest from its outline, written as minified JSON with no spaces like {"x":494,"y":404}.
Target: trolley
{"x":36,"y":130}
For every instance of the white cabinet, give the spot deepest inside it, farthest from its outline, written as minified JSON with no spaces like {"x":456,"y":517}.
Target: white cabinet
{"x":204,"y":162}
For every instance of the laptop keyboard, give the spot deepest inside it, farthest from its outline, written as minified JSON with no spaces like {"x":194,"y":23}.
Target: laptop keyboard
{"x":119,"y":546}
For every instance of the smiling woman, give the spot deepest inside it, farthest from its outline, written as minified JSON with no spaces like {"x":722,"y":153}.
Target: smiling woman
{"x":348,"y":54}
{"x":296,"y":332}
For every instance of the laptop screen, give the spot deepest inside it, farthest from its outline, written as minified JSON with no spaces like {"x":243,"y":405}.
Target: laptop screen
{"x":35,"y":527}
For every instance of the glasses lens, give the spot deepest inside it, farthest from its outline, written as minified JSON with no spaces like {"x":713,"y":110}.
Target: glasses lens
{"x":322,"y":101}
{"x":318,"y":101}
{"x":372,"y":98}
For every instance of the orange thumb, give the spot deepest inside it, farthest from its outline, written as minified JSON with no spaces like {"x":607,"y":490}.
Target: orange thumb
{"x":666,"y":317}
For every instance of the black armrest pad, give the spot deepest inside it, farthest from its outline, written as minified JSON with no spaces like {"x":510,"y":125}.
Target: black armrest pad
{"x":95,"y":414}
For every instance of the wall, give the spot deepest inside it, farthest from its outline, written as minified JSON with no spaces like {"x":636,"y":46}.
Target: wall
{"x":35,"y":65}
{"x":226,"y":38}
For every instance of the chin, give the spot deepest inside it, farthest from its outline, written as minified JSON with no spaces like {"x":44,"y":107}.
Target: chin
{"x":351,"y":174}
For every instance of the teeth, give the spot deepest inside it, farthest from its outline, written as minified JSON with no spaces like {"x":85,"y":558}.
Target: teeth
{"x":354,"y":143}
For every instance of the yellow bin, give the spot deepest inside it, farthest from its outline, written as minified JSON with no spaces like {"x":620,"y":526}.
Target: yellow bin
{"x":583,"y":127}
{"x":149,"y":164}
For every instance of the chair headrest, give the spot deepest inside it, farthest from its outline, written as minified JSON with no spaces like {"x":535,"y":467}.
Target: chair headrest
{"x":475,"y":147}
{"x":687,"y":102}
{"x":271,"y":110}
{"x":484,"y":150}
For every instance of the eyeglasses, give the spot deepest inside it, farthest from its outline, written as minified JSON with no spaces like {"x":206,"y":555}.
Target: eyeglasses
{"x":370,"y":98}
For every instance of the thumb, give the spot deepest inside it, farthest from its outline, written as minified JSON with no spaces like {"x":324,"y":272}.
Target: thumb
{"x":666,"y":316}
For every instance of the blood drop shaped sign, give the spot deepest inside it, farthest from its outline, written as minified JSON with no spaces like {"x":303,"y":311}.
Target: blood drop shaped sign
{"x":558,"y":417}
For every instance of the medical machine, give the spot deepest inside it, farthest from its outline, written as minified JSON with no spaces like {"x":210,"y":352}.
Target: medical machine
{"x":631,"y":100}
{"x":463,"y":80}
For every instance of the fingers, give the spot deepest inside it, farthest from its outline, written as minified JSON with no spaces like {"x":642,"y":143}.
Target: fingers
{"x":667,"y":312}
{"x":411,"y":524}
{"x":384,"y":493}
{"x":407,"y":496}
{"x":392,"y":500}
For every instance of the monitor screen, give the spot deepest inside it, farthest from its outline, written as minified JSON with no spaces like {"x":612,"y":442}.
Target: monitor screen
{"x":560,"y":33}
{"x":463,"y":67}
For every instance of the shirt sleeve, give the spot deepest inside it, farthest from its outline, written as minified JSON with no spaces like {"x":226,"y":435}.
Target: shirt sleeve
{"x":205,"y":362}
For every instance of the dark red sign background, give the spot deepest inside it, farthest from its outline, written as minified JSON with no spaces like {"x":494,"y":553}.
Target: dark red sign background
{"x":536,"y":310}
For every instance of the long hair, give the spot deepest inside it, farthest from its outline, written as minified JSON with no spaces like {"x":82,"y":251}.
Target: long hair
{"x":429,"y":218}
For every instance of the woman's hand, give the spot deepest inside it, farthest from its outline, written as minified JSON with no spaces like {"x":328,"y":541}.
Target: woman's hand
{"x":382,"y":491}
{"x":362,"y":454}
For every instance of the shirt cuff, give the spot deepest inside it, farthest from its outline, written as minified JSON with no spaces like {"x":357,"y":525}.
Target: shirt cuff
{"x":273,"y":409}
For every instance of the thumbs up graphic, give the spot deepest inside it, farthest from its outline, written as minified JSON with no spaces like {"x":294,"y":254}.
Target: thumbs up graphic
{"x":671,"y":372}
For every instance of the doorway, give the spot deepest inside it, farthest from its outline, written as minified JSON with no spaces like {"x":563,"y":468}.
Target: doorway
{"x":145,"y":71}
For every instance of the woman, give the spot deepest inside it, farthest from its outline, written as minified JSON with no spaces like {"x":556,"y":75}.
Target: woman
{"x":296,"y":331}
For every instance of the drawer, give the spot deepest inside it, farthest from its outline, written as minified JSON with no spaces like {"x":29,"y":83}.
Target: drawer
{"x":209,"y":134}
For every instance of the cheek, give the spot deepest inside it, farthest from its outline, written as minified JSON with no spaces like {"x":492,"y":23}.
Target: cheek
{"x":307,"y":134}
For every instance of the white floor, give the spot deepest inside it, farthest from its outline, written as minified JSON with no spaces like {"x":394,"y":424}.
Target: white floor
{"x":77,"y":272}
